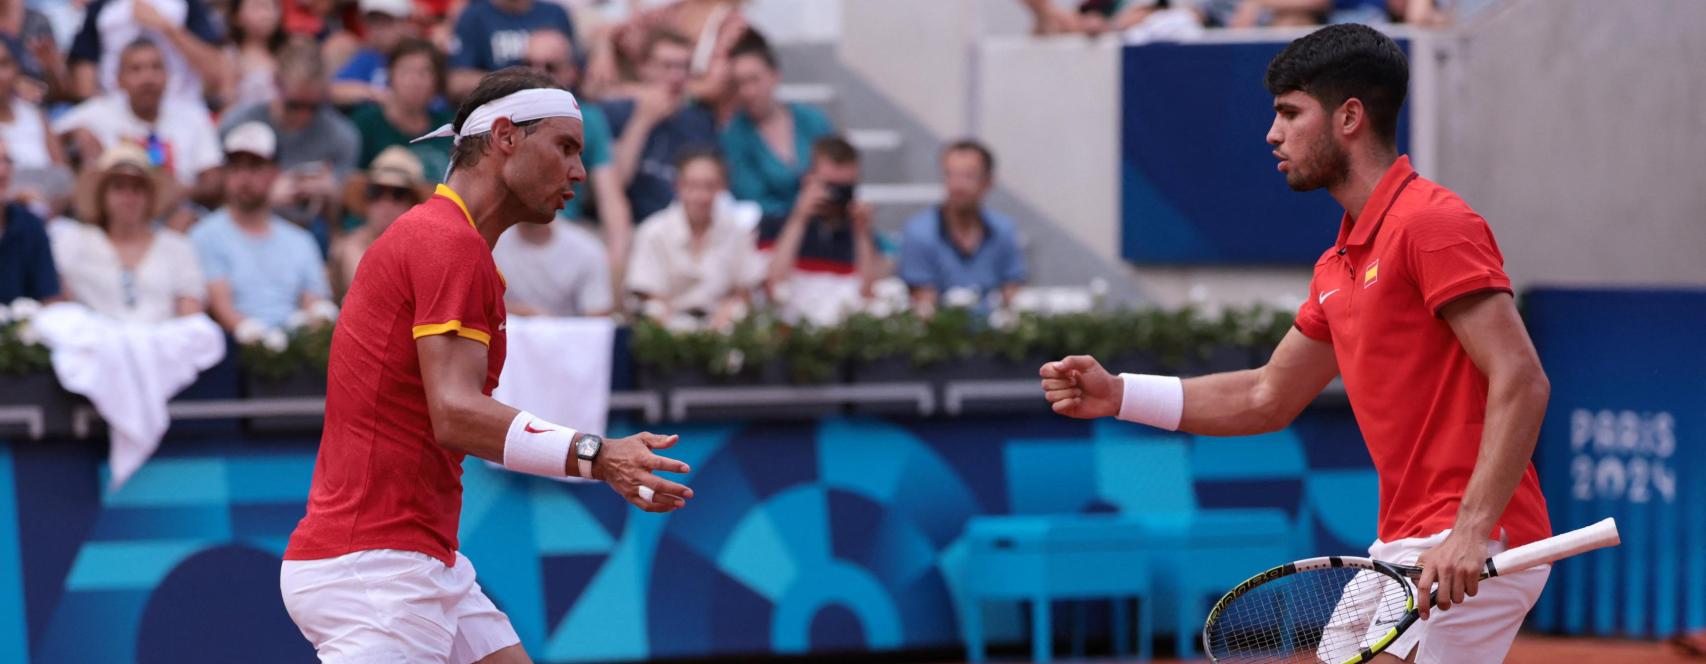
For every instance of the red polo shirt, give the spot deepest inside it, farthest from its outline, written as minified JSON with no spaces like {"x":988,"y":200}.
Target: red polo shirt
{"x":1418,"y":398}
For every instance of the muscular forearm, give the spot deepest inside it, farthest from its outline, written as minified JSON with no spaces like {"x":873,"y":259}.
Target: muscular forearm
{"x":473,"y":424}
{"x":1227,"y":404}
{"x":1516,"y":404}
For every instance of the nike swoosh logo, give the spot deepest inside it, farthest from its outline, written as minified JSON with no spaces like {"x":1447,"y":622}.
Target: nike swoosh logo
{"x":1326,"y":295}
{"x":529,"y":429}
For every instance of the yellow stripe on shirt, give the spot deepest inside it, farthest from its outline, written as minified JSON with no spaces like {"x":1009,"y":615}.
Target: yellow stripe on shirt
{"x":445,"y":191}
{"x":452,"y":326}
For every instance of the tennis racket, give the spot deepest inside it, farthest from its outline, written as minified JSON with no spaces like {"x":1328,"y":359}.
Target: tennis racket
{"x":1344,"y":610}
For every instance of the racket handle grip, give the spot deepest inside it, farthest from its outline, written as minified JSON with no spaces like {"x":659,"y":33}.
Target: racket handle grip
{"x":1581,"y":540}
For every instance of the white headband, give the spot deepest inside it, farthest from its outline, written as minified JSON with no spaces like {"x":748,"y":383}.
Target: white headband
{"x":523,"y":106}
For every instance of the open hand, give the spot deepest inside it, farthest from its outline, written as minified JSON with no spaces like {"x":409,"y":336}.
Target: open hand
{"x":626,"y":464}
{"x":1456,"y":565}
{"x":1079,"y":387}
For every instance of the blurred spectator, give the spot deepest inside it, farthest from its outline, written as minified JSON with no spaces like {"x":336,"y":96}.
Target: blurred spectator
{"x":317,"y":146}
{"x":257,"y":36}
{"x":26,"y":258}
{"x":28,"y":143}
{"x":691,"y":260}
{"x":1270,"y":13}
{"x":555,"y":269}
{"x":118,"y":263}
{"x":184,"y":30}
{"x":767,"y":142}
{"x":258,"y":266}
{"x":492,"y":34}
{"x":177,"y":133}
{"x":1091,"y":17}
{"x":385,"y":24}
{"x":552,"y":53}
{"x":962,"y":244}
{"x":416,"y":78}
{"x":712,"y":26}
{"x":823,"y":255}
{"x":28,"y":35}
{"x":654,"y":128}
{"x":393,"y":183}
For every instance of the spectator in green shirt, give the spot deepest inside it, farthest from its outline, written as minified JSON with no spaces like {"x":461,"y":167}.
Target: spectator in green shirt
{"x":416,"y":78}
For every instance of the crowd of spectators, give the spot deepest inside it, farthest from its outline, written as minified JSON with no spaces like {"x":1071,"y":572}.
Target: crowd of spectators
{"x":1138,"y":19}
{"x":237,"y":157}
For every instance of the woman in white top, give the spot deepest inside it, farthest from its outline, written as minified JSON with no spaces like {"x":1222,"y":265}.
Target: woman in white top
{"x":692,"y":260}
{"x":257,"y":34}
{"x":21,"y":123}
{"x":118,"y":263}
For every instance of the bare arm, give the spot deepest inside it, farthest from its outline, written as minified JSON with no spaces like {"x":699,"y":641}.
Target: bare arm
{"x":1492,"y":333}
{"x":453,"y":373}
{"x":651,"y":106}
{"x":1236,"y":403}
{"x":186,"y":306}
{"x":85,"y":80}
{"x":221,"y":305}
{"x":354,"y":93}
{"x":786,"y":251}
{"x":616,"y":219}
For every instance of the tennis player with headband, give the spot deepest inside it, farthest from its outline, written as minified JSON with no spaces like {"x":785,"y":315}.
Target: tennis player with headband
{"x":372,"y":573}
{"x":1413,"y":308}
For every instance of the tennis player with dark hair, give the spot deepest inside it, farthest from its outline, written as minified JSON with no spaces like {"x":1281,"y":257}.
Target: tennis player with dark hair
{"x":372,"y":573}
{"x":1411,"y":305}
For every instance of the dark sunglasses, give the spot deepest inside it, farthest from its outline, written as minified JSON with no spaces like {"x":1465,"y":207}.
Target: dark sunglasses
{"x":377,"y":192}
{"x":301,"y":106}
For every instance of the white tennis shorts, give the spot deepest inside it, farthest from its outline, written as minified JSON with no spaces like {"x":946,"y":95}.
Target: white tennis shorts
{"x":1480,"y":629}
{"x":393,"y":606}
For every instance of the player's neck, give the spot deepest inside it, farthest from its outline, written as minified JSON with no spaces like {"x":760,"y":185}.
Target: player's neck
{"x":1361,"y":178}
{"x":484,"y":194}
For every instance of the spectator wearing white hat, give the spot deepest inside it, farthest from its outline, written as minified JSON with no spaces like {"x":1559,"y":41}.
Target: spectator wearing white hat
{"x":118,"y":263}
{"x":258,"y":266}
{"x":317,"y":145}
{"x":393,"y":183}
{"x":363,"y":78}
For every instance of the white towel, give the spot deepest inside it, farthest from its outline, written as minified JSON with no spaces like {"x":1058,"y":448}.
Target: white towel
{"x":559,"y":369}
{"x":128,"y":371}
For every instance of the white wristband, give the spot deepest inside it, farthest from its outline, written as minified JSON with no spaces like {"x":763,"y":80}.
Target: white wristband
{"x":537,"y":447}
{"x":1158,"y":401}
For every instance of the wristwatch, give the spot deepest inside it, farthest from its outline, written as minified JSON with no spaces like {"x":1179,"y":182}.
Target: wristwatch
{"x":587,"y":448}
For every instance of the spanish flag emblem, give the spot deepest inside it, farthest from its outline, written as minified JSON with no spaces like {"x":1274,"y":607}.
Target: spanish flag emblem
{"x":1372,"y":274}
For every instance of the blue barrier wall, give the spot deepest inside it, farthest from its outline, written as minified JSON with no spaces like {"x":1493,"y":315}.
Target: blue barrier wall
{"x":1625,"y":437}
{"x":806,"y":536}
{"x":1198,"y":184}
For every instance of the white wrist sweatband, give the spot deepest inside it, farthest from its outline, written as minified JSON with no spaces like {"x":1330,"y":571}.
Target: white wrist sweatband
{"x":1158,"y":401}
{"x":537,"y":447}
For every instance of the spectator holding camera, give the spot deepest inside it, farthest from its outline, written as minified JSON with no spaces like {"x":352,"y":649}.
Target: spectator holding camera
{"x":823,"y":257}
{"x":117,"y":263}
{"x":962,"y":243}
{"x":691,"y":260}
{"x":767,"y":142}
{"x":258,"y":266}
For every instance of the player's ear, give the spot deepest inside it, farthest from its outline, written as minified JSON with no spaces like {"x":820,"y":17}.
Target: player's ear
{"x":505,"y":135}
{"x":1350,"y":116}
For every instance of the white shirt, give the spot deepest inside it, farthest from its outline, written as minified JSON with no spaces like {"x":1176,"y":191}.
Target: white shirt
{"x":664,"y":265}
{"x":89,"y":267}
{"x":569,"y":275}
{"x":118,"y":29}
{"x":26,"y":136}
{"x":190,"y":137}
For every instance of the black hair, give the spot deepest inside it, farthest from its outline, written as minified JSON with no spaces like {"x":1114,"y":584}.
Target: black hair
{"x":1343,"y":61}
{"x":496,"y":85}
{"x":142,"y":42}
{"x":416,"y":46}
{"x":835,"y":149}
{"x":973,"y":146}
{"x":753,"y":43}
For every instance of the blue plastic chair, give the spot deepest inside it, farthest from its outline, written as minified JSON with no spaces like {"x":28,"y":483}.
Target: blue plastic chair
{"x":1047,"y":558}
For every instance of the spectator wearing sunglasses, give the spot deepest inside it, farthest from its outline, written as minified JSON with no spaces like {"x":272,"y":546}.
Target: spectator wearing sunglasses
{"x":416,"y":79}
{"x":317,"y":146}
{"x":393,"y":183}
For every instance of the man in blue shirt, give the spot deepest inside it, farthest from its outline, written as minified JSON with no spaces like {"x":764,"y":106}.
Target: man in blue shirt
{"x":363,"y":76}
{"x":962,"y":244}
{"x":658,"y":125}
{"x":258,"y":266}
{"x":26,"y":259}
{"x":492,"y":34}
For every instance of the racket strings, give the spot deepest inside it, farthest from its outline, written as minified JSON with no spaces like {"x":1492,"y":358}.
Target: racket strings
{"x":1325,"y":615}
